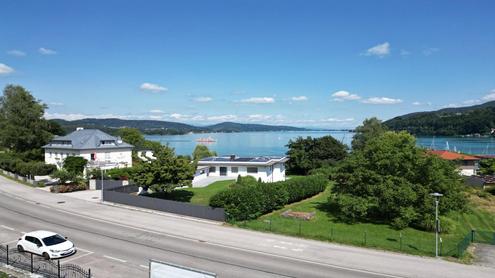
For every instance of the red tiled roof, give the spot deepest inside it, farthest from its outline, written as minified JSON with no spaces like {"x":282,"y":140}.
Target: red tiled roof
{"x":452,"y":156}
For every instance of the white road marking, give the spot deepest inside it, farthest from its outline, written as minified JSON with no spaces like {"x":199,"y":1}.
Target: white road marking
{"x":297,"y":249}
{"x":85,"y":250}
{"x":115,"y":259}
{"x":279,"y":247}
{"x":144,"y":266}
{"x":7,"y":227}
{"x":75,"y":258}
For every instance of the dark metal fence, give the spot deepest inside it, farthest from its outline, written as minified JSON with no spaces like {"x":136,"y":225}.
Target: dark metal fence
{"x":38,"y":265}
{"x":474,"y":236}
{"x":124,"y":195}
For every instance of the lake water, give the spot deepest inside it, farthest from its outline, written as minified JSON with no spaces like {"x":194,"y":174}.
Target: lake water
{"x":274,"y":143}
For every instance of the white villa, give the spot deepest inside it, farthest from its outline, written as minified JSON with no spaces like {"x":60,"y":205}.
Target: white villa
{"x":96,"y":146}
{"x":266,"y":168}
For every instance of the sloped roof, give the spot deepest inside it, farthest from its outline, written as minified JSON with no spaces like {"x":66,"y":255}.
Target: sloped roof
{"x":452,"y":155}
{"x":85,"y":139}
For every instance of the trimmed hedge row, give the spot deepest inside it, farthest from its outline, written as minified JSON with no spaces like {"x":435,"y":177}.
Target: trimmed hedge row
{"x":249,"y":201}
{"x":25,"y":168}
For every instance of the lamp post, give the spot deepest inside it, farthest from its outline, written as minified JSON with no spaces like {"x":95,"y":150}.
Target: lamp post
{"x":437,"y":221}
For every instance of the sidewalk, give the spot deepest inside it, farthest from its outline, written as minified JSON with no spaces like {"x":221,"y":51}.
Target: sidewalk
{"x":250,"y":241}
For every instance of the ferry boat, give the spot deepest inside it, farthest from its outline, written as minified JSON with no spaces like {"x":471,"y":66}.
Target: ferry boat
{"x":208,"y":139}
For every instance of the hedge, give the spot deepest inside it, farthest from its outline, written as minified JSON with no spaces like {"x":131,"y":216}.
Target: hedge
{"x":249,"y":201}
{"x":25,"y":168}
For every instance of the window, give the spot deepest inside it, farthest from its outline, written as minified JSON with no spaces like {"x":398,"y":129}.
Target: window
{"x":107,"y":156}
{"x":54,"y":240}
{"x":212,"y":169}
{"x":252,"y":170}
{"x":37,"y":242}
{"x":234,"y":169}
{"x":30,"y":239}
{"x":93,"y":156}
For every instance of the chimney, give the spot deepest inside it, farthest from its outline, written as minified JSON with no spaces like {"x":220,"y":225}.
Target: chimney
{"x":232,"y":157}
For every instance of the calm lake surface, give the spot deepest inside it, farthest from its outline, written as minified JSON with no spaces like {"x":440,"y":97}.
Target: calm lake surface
{"x":273,"y":143}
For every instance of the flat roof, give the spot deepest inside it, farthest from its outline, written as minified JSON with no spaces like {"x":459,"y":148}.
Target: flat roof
{"x":258,"y":160}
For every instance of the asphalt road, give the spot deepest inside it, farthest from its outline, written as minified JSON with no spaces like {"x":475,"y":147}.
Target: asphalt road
{"x":118,"y":251}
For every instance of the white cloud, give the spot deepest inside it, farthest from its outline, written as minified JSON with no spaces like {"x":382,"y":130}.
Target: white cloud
{"x":490,"y":96}
{"x":156,"y":117}
{"x":258,"y":100}
{"x":471,"y":101}
{"x":404,"y":52}
{"x":450,"y":105}
{"x":429,"y":51}
{"x":15,"y":52}
{"x":337,"y":120}
{"x":344,"y":95}
{"x":156,"y":111}
{"x":222,"y":118}
{"x":46,"y":51}
{"x":299,"y":98}
{"x":4,"y":69}
{"x":78,"y":116}
{"x":178,"y":116}
{"x":380,"y":50}
{"x":382,"y":100}
{"x":203,"y":99}
{"x":258,"y":117}
{"x":416,"y":103}
{"x":152,"y":87}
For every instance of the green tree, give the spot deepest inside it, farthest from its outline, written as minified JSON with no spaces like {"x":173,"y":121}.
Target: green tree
{"x":370,"y":128}
{"x":164,"y":173}
{"x":487,"y":166}
{"x":132,"y":136}
{"x":390,"y":180}
{"x":75,"y":164}
{"x":202,"y":151}
{"x":21,"y":121}
{"x":311,"y":153}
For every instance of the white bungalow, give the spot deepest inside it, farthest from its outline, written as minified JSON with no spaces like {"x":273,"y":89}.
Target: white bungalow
{"x":266,"y":168}
{"x":96,"y":146}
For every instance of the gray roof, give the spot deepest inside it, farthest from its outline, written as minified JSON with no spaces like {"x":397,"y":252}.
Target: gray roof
{"x":86,"y":139}
{"x":259,"y":160}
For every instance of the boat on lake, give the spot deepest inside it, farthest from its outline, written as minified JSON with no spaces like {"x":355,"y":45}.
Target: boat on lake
{"x":208,"y":139}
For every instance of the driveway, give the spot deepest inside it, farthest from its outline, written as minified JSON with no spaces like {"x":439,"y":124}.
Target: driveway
{"x":209,"y":180}
{"x":484,"y":255}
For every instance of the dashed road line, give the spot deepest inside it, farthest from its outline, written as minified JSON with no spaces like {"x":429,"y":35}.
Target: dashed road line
{"x":7,"y":227}
{"x":75,"y":258}
{"x":115,"y":259}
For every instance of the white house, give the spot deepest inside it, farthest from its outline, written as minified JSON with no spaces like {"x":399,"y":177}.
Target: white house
{"x":266,"y":168}
{"x":96,"y":146}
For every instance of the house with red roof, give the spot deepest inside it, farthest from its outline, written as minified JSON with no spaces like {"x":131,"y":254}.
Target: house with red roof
{"x":467,"y":165}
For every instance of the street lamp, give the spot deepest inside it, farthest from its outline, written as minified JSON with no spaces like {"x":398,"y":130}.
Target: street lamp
{"x":437,"y":221}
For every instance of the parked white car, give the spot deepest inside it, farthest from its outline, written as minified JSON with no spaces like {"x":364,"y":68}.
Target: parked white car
{"x":50,"y":245}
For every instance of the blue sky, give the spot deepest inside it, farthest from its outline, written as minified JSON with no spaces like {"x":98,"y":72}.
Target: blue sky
{"x":303,"y":63}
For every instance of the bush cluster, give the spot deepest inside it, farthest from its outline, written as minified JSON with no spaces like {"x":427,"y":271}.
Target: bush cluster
{"x":65,"y":188}
{"x":25,"y":168}
{"x":249,"y":199}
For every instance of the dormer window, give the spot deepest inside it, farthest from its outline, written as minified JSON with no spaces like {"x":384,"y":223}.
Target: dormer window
{"x":107,"y":142}
{"x":61,"y":143}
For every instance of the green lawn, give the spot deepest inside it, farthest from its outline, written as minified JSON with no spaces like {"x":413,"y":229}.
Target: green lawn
{"x":199,"y":195}
{"x":324,"y":226}
{"x":202,"y":195}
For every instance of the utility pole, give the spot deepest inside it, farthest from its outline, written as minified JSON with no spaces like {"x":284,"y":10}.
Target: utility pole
{"x":437,"y":220}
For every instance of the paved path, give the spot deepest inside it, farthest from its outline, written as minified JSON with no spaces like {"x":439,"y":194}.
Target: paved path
{"x":118,"y":242}
{"x":209,"y":180}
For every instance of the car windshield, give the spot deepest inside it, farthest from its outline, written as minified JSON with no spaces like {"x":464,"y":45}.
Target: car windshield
{"x":53,"y":240}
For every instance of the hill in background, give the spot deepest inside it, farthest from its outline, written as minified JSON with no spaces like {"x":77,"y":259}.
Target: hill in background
{"x":469,"y":120}
{"x":164,"y":127}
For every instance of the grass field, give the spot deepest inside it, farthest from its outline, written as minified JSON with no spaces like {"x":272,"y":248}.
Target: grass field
{"x":202,"y":195}
{"x":324,"y":226}
{"x":198,"y":196}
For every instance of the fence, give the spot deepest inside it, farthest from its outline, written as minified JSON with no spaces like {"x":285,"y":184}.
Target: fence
{"x":38,"y":265}
{"x":474,"y":236}
{"x":19,"y":177}
{"x":126,"y":195}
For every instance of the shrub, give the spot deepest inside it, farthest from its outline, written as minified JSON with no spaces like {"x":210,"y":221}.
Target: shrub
{"x":75,"y":164}
{"x":249,"y":199}
{"x":13,"y":164}
{"x":119,"y":173}
{"x":65,"y":188}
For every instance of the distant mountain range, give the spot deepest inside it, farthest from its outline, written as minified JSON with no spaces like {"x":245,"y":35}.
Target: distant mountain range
{"x":468,"y":120}
{"x":164,"y":127}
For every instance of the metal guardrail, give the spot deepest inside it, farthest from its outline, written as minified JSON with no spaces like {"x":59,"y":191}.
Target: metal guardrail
{"x":38,"y":265}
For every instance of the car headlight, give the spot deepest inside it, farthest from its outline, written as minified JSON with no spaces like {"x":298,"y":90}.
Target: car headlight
{"x":54,"y":251}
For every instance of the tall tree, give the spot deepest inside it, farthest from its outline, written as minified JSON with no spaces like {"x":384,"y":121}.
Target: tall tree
{"x":371,"y":128}
{"x":21,"y":121}
{"x":390,"y":180}
{"x":132,"y":136}
{"x":311,"y":153}
{"x":202,"y":151}
{"x":164,"y":173}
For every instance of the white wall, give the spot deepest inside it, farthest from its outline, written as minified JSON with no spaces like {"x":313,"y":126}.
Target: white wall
{"x":266,"y":173}
{"x":123,"y":157}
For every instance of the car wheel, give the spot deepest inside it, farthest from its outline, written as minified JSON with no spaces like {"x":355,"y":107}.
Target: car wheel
{"x":20,"y":248}
{"x":46,"y":256}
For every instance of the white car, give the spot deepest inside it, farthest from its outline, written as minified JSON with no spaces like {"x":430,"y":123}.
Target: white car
{"x":50,"y":245}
